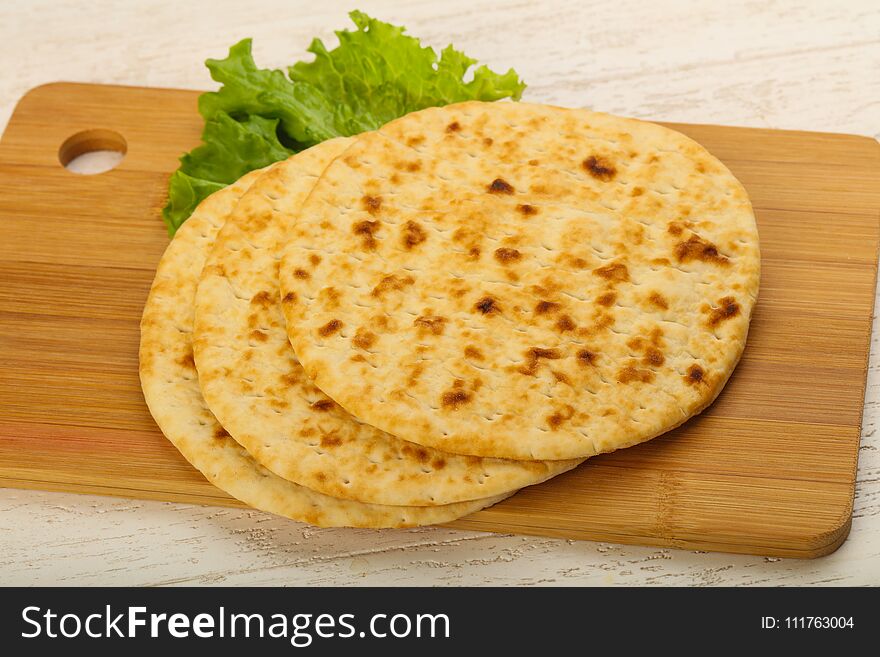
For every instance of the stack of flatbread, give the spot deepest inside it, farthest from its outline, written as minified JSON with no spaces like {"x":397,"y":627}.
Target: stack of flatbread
{"x":408,"y":326}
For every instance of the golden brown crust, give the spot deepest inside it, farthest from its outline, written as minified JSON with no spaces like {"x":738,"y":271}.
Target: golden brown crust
{"x":172,"y":394}
{"x":258,"y":391}
{"x":636,"y":261}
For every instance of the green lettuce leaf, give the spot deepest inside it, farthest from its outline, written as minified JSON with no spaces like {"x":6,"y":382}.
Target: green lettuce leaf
{"x":258,"y":116}
{"x":377,"y":73}
{"x":229,"y":150}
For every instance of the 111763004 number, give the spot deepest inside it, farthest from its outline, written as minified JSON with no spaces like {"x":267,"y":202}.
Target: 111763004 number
{"x":808,"y":623}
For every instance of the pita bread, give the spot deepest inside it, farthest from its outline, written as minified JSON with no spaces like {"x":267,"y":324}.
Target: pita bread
{"x":168,"y":378}
{"x":259,"y":393}
{"x":522,"y":281}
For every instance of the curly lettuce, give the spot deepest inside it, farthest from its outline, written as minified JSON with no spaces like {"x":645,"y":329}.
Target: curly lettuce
{"x":259,"y":116}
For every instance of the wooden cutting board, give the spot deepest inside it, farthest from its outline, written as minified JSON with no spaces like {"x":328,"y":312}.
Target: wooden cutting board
{"x":768,"y":469}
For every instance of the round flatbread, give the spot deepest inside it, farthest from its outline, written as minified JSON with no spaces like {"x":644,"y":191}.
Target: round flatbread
{"x":257,"y":390}
{"x":522,"y":281}
{"x":171,"y":389}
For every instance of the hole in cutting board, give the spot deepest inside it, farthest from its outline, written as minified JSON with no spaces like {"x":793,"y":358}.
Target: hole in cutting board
{"x":92,"y":151}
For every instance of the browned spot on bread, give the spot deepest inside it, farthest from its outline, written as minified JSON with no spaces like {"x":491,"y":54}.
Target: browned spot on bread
{"x":473,"y":352}
{"x":417,"y":452}
{"x":330,"y":328}
{"x":599,"y":167}
{"x":415,"y":374}
{"x":607,"y":299}
{"x":257,"y":335}
{"x":323,"y":405}
{"x":216,"y":270}
{"x":587,"y":357}
{"x":413,"y":166}
{"x":499,"y":186}
{"x":488,"y":141}
{"x":438,"y":463}
{"x":315,"y":259}
{"x":653,"y":357}
{"x":390,"y":283}
{"x":694,"y":375}
{"x":616,"y":272}
{"x":548,"y":287}
{"x":637,"y":191}
{"x":603,"y":321}
{"x":455,"y":126}
{"x":527,"y":210}
{"x":696,"y":248}
{"x":220,"y":433}
{"x":280,"y":404}
{"x":330,"y":440}
{"x":367,"y":230}
{"x":632,"y":373}
{"x":656,"y":336}
{"x":565,"y":323}
{"x":649,"y":347}
{"x":262,"y":299}
{"x":727,"y":308}
{"x":474,"y":253}
{"x":561,"y":377}
{"x":675,"y":228}
{"x":358,"y":358}
{"x":545,"y":307}
{"x":372,"y":204}
{"x":636,"y":344}
{"x":578,"y":263}
{"x":487,"y":306}
{"x":412,"y":234}
{"x":415,"y":140}
{"x":505,"y":255}
{"x":658,"y":300}
{"x":289,"y":379}
{"x":534,"y":355}
{"x":430,"y":324}
{"x":560,"y":416}
{"x":290,"y":297}
{"x":456,"y":397}
{"x":187,"y":361}
{"x":363,"y":339}
{"x":301,"y":273}
{"x":330,"y":296}
{"x":636,"y":234}
{"x":534,"y":163}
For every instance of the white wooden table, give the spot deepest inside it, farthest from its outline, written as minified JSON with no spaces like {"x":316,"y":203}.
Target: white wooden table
{"x":802,"y":65}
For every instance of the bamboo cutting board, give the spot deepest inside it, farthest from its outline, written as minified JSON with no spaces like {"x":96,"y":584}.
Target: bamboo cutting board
{"x":768,"y":469}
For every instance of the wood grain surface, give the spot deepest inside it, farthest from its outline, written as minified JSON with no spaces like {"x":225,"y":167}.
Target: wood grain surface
{"x":768,"y":469}
{"x":758,"y":77}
